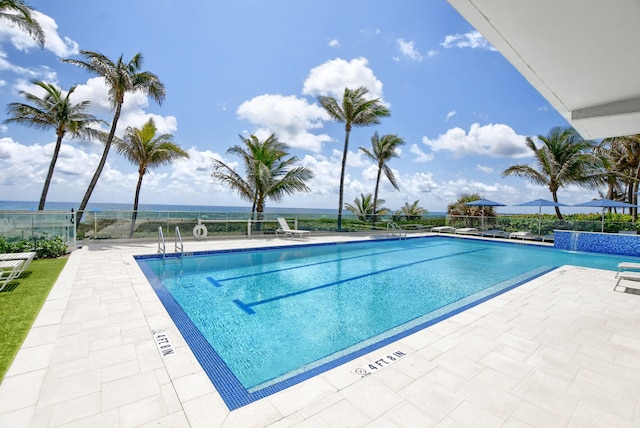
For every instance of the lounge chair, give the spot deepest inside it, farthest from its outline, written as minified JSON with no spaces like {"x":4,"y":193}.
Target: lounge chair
{"x":9,"y":270}
{"x":288,"y":232}
{"x":628,"y":271}
{"x":495,"y":233}
{"x":467,"y":231}
{"x":26,"y":258}
{"x":521,"y":235}
{"x":443,"y":229}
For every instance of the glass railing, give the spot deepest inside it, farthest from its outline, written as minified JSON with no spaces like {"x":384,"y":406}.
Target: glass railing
{"x":103,"y":224}
{"x":37,"y":226}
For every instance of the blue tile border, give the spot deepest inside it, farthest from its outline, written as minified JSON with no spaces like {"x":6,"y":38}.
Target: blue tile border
{"x":230,"y":389}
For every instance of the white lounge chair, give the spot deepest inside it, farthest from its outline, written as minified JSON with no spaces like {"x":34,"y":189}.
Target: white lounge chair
{"x":521,"y":235}
{"x":288,"y":232}
{"x":25,"y":257}
{"x":495,"y":233}
{"x":9,"y":270}
{"x":467,"y":231}
{"x":443,"y":229}
{"x":628,"y":271}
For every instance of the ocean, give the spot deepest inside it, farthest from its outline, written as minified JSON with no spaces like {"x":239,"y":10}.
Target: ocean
{"x":97,"y":206}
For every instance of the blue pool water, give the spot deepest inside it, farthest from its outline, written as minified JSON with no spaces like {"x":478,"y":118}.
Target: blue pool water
{"x":267,"y":318}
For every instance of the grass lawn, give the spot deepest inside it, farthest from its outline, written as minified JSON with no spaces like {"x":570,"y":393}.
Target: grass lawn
{"x":20,"y":302}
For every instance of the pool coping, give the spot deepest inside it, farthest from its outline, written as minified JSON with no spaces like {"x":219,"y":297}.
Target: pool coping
{"x":561,"y":350}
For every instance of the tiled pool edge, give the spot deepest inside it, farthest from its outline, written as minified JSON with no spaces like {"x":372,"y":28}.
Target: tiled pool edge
{"x":229,"y":388}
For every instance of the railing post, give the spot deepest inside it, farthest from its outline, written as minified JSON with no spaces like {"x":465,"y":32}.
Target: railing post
{"x":249,"y":228}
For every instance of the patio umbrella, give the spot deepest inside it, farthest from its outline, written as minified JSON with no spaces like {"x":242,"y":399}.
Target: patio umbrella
{"x":540,"y":203}
{"x":604,"y":203}
{"x":484,"y":203}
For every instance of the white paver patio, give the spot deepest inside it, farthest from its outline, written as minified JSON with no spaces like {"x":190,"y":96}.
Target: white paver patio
{"x":560,"y":351}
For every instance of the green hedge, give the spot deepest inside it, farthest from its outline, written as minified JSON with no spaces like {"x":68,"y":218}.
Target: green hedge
{"x":45,"y":249}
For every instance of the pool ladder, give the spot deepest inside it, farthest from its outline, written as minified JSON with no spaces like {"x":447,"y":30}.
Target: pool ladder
{"x":394,"y":230}
{"x":162,"y":248}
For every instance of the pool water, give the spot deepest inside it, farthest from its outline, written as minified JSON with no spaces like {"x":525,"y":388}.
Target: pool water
{"x":275,"y":313}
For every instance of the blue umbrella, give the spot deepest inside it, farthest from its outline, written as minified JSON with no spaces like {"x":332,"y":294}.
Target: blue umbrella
{"x":540,"y":203}
{"x":604,"y":203}
{"x":484,"y":203}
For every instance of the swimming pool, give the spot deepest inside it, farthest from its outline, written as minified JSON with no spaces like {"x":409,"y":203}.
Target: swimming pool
{"x":261,"y":320}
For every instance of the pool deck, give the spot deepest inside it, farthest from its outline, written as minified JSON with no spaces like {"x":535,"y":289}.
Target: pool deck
{"x":560,"y":351}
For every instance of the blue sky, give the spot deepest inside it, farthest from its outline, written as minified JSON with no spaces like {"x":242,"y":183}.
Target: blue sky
{"x":257,"y":66}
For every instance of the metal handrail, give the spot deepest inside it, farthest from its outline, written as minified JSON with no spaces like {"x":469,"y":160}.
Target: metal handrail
{"x":178,"y":243}
{"x":393,"y":229}
{"x":162,"y":248}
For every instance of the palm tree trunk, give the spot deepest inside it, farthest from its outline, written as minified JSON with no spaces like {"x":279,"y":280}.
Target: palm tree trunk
{"x":555,"y":199}
{"x":134,"y":215}
{"x":103,"y":161}
{"x":342,"y":171}
{"x":375,"y":196}
{"x":259,"y":214}
{"x":52,"y":165}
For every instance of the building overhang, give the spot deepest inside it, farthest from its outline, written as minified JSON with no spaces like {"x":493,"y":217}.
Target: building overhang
{"x":583,"y":56}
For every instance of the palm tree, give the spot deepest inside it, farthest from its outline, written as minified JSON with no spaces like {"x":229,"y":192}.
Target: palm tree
{"x":622,"y":155}
{"x":19,"y":14}
{"x":53,"y":110}
{"x":383,"y":150}
{"x":410,"y":212}
{"x":564,"y":158}
{"x":270,"y":174}
{"x":355,"y":110}
{"x":143,"y":147}
{"x":363,"y":207}
{"x":460,"y":207}
{"x":120,"y":77}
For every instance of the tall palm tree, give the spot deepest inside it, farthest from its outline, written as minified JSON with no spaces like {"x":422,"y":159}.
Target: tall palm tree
{"x":564,"y":158}
{"x":53,"y":110}
{"x":120,"y":77}
{"x":270,"y":174}
{"x":363,"y":207}
{"x":383,"y":150}
{"x":143,"y":147}
{"x":357,"y":111}
{"x":19,"y":14}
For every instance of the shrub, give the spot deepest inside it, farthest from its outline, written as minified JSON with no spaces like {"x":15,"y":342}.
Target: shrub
{"x":51,"y":248}
{"x":47,"y":249}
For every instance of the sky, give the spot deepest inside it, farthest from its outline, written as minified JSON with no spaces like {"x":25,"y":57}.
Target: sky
{"x":239,"y":67}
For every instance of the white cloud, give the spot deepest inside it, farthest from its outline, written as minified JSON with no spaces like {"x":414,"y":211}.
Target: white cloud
{"x":326,"y":179}
{"x":450,"y":115}
{"x":133,"y":109}
{"x":495,"y":140}
{"x":472,"y":39}
{"x":41,"y":72}
{"x":289,"y":117}
{"x":421,"y":156}
{"x":24,"y":167}
{"x":408,"y":49}
{"x":61,"y":47}
{"x":334,"y":75}
{"x":484,"y":168}
{"x":334,"y":43}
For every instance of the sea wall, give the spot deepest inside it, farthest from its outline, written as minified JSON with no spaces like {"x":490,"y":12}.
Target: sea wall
{"x":607,"y":243}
